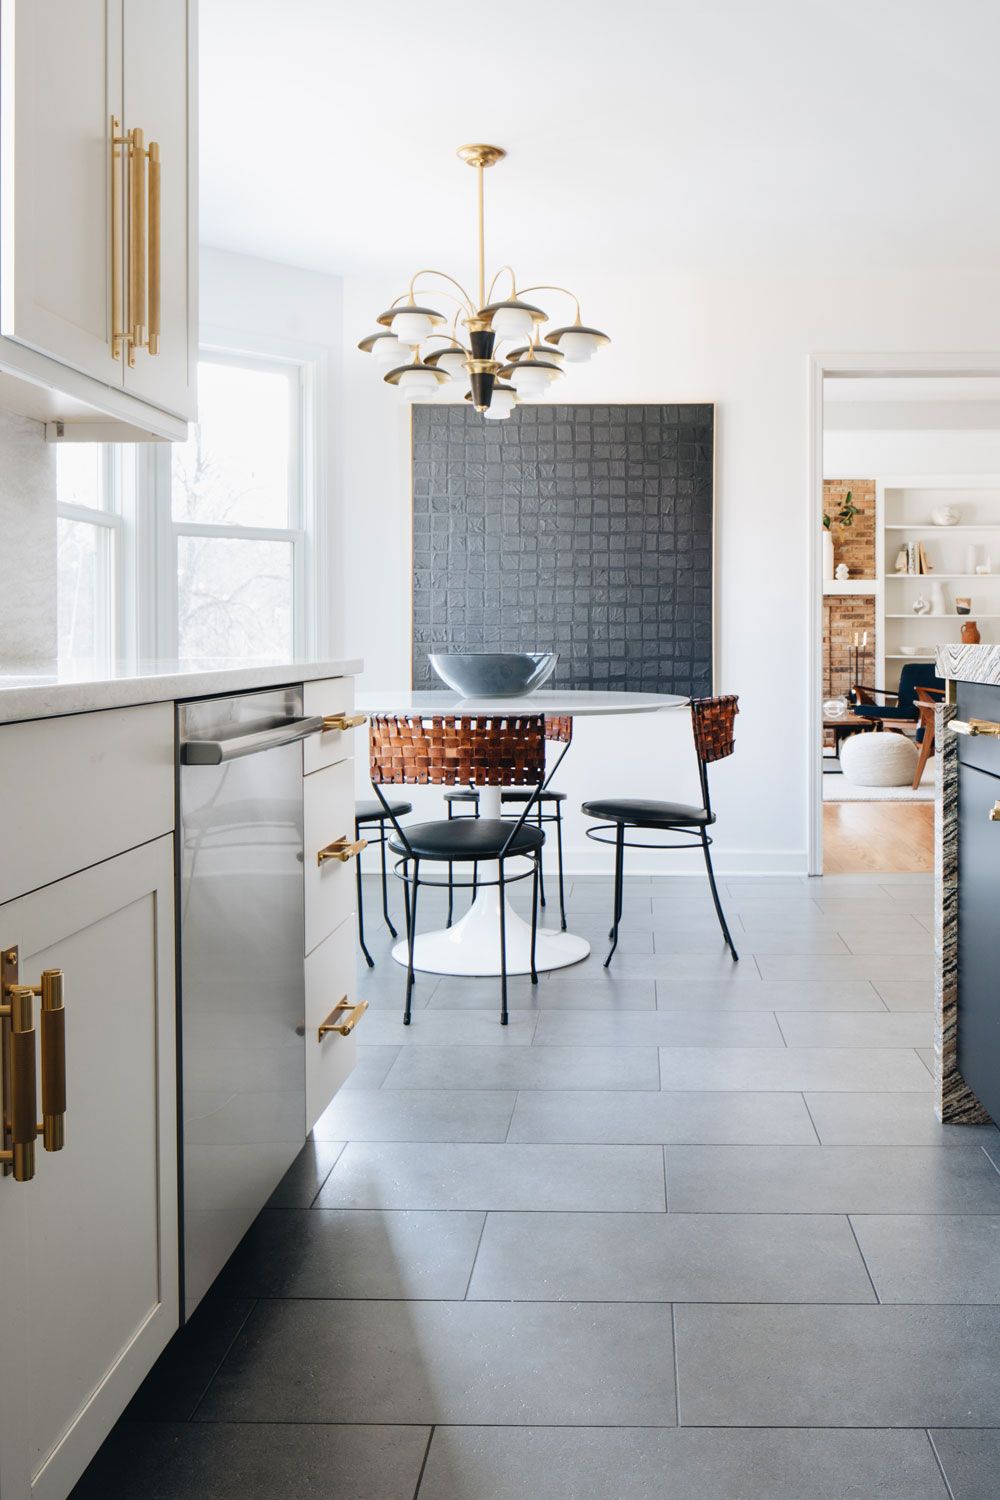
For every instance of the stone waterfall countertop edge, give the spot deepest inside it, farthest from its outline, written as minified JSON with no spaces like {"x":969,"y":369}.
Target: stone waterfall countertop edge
{"x":969,"y":663}
{"x":35,"y":692}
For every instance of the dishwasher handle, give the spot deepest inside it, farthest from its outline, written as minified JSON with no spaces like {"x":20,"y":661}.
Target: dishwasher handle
{"x":215,"y":752}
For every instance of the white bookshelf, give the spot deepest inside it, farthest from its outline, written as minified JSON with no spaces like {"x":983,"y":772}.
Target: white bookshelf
{"x":903,"y":514}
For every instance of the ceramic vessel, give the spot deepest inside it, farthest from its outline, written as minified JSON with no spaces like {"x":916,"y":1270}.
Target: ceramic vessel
{"x":827,"y":557}
{"x":946,"y":515}
{"x":970,"y":634}
{"x":494,"y":674}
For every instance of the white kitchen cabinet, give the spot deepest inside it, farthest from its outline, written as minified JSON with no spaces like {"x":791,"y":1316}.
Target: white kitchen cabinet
{"x":71,"y":267}
{"x":89,"y":1246}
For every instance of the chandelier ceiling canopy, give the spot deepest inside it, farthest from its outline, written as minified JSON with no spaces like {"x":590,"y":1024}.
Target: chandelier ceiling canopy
{"x":411,"y":331}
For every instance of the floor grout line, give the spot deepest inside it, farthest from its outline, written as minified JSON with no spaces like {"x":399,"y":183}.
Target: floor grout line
{"x":937,"y":1460}
{"x":423,"y":1466}
{"x":854,"y":1232}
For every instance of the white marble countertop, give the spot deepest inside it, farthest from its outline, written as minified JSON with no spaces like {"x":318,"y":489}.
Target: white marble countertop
{"x":969,"y":663}
{"x":35,"y":692}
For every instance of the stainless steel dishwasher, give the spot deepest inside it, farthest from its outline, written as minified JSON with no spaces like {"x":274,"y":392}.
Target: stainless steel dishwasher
{"x":242,"y":999}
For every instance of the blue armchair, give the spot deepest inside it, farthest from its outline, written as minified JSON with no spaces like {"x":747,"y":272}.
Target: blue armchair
{"x":915,"y":674}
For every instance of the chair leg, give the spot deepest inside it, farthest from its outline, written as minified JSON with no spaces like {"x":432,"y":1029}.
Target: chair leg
{"x":715,"y":896}
{"x":619,"y":863}
{"x":385,"y":885}
{"x":541,"y":873}
{"x":534,"y":916}
{"x":361,"y":909}
{"x":562,"y":897}
{"x":411,"y":936}
{"x":451,"y":884}
{"x":926,"y":746}
{"x":503,"y":951}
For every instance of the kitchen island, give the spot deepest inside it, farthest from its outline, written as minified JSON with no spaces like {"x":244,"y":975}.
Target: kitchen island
{"x":967,"y":843}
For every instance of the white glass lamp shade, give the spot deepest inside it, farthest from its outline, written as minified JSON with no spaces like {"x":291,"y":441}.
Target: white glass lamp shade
{"x":530,"y":379}
{"x":452,"y":362}
{"x":500,"y":407}
{"x":417,"y":384}
{"x":577,"y":347}
{"x":412,"y":327}
{"x":512,"y":323}
{"x":390,"y":352}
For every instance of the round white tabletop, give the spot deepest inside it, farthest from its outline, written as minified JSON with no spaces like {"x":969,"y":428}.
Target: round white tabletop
{"x":472,"y":946}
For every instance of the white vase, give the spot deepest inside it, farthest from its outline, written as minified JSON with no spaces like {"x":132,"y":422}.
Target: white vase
{"x":939,"y":604}
{"x":827,"y":557}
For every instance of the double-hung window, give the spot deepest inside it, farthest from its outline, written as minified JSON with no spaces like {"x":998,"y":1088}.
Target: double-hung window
{"x":201,"y":550}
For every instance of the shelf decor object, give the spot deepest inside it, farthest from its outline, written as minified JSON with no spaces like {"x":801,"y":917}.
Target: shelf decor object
{"x":409,"y":331}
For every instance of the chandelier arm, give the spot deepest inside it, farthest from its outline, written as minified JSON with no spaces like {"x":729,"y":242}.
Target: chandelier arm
{"x":429,"y":271}
{"x":513,"y":283}
{"x":524,"y":290}
{"x":449,"y":338}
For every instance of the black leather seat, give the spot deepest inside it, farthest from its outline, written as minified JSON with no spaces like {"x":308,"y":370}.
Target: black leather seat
{"x":644,"y":814}
{"x":468,"y":838}
{"x":367,"y":813}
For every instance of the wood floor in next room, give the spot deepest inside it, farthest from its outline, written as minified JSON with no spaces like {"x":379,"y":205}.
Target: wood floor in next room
{"x":685,"y":1230}
{"x":878,"y":838}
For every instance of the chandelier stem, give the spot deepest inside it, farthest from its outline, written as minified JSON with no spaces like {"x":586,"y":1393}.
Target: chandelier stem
{"x":482,"y":241}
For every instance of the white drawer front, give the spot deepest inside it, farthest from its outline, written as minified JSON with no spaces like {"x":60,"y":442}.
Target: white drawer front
{"x":334,"y":695}
{"x":328,"y":815}
{"x":331,"y":975}
{"x":78,"y":789}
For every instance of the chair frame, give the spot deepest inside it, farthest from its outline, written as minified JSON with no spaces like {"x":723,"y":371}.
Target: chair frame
{"x":381,"y":841}
{"x":690,"y":837}
{"x":472,"y":751}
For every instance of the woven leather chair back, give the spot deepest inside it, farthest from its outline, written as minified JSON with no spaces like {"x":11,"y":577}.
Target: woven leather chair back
{"x":494,"y":750}
{"x":714,"y":724}
{"x":559,"y":727}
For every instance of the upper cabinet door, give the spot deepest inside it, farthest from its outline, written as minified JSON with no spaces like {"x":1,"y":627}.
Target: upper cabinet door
{"x":60,"y":85}
{"x":159,"y":94}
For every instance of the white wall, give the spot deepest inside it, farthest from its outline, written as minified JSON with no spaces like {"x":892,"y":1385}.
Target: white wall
{"x":298,"y":313}
{"x":875,"y":455}
{"x":28,"y":553}
{"x":743,"y":343}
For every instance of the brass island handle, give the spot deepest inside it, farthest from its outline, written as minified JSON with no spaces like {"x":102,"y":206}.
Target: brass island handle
{"x":341,"y":849}
{"x":975,"y":727}
{"x":342,"y":721}
{"x":995,"y":813}
{"x":17,"y":1072}
{"x":343,"y":1018}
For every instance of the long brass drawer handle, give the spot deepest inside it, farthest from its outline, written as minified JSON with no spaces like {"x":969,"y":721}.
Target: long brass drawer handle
{"x":17,"y":1069}
{"x":342,"y":721}
{"x":343,"y":1018}
{"x":975,"y":727}
{"x":995,"y":813}
{"x":341,"y":849}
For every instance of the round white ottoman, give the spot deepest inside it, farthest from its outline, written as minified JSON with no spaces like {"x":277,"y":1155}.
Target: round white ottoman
{"x":878,"y":758}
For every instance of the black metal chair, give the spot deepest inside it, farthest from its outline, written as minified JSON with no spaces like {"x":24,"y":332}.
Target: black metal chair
{"x":367,"y":815}
{"x":712,"y":720}
{"x":491,"y":750}
{"x":558,"y":729}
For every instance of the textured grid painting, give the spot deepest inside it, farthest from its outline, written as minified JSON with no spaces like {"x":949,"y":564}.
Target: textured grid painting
{"x":585,"y":530}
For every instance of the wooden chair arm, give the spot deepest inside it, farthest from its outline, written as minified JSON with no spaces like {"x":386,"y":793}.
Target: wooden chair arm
{"x":929,"y":695}
{"x":864,"y":694}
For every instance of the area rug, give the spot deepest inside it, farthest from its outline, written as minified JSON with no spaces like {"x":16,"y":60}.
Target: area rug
{"x":837,"y":788}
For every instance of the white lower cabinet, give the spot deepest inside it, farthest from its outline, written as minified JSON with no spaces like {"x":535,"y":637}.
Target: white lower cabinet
{"x":88,"y":1248}
{"x":331,"y":974}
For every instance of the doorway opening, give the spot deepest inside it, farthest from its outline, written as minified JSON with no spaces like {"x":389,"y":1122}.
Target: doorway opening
{"x":907,"y":489}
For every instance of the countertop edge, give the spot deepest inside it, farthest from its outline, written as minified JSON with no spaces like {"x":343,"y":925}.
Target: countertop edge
{"x":24,"y":699}
{"x":969,"y":663}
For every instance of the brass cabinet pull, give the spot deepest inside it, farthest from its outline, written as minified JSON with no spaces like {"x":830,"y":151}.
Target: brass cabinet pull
{"x":343,"y":1018}
{"x":994,"y":813}
{"x":117,"y":231}
{"x":975,"y":727}
{"x":17,"y":1072}
{"x":342,"y":721}
{"x":341,"y":849}
{"x":137,"y":243}
{"x":154,"y":248}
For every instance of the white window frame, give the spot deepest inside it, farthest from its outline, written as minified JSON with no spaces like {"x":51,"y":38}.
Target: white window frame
{"x":159,"y":627}
{"x":117,"y":518}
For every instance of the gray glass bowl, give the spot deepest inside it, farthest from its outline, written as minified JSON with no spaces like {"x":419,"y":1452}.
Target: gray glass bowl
{"x":497,"y":674}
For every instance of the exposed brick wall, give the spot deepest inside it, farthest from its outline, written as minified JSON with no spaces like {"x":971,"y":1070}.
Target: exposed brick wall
{"x":854,"y":544}
{"x":847,"y":614}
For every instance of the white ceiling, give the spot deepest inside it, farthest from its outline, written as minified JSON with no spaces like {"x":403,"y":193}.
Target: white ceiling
{"x":643,"y":135}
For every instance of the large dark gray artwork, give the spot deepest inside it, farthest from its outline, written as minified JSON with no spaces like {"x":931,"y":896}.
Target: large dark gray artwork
{"x":585,"y":530}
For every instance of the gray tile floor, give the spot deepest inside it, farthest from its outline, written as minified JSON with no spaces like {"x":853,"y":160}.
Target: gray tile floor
{"x":683,"y":1230}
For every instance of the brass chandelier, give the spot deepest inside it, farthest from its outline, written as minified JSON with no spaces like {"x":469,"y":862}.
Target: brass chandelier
{"x":409,"y":330}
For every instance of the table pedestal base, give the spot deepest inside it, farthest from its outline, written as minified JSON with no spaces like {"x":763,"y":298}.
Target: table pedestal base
{"x":472,"y":946}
